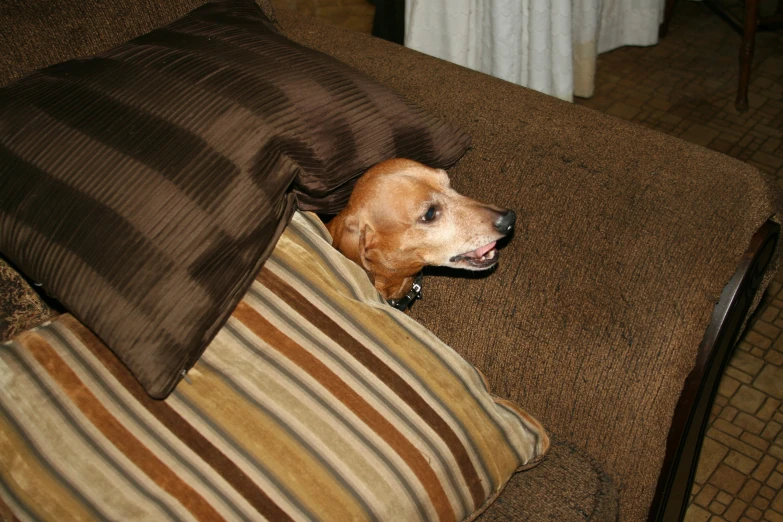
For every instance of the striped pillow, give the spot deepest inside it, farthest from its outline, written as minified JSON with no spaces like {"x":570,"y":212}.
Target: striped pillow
{"x":316,"y":401}
{"x":145,"y":187}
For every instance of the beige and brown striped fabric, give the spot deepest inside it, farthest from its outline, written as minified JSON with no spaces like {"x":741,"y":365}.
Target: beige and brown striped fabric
{"x":316,"y":401}
{"x":145,"y":186}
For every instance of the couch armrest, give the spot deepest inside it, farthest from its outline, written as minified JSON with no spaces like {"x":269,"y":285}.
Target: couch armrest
{"x":691,"y":416}
{"x":626,"y":239}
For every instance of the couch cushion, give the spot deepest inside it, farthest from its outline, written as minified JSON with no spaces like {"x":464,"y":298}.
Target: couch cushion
{"x":144,"y":187}
{"x":315,"y":400}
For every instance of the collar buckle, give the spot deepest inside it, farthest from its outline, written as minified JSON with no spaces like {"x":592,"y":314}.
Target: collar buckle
{"x":404,"y":302}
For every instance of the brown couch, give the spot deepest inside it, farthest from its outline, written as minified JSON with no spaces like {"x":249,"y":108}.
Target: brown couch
{"x":635,"y":264}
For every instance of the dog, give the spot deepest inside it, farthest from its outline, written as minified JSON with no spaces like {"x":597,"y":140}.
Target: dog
{"x":403,"y":216}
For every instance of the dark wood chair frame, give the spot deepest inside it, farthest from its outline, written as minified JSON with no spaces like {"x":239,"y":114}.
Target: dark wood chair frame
{"x":747,"y":26}
{"x":698,"y":395}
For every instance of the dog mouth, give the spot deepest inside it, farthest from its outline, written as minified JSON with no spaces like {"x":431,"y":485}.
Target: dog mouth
{"x":482,"y":257}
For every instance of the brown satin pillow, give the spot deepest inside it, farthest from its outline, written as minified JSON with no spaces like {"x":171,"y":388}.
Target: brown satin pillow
{"x":145,"y":187}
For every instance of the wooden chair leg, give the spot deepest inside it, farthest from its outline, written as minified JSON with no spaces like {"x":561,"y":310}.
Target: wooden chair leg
{"x":668,"y":12}
{"x":746,"y":53}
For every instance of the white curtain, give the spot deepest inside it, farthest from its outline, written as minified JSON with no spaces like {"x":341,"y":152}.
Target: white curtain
{"x":547,"y":45}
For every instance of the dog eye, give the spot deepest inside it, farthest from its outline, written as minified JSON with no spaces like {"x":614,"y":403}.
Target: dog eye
{"x":430,"y":215}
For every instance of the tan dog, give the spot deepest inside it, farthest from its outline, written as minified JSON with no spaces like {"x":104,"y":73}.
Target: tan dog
{"x":403,"y":216}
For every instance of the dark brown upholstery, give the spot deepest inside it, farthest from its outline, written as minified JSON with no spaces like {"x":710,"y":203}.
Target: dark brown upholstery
{"x":624,"y":241}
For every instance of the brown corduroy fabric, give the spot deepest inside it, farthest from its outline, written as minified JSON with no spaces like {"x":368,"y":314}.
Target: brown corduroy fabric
{"x":624,"y":241}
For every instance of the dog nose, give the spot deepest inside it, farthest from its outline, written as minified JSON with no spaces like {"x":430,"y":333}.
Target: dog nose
{"x":505,"y":223}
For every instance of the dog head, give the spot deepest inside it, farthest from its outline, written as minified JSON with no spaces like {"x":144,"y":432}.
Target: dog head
{"x":403,"y":216}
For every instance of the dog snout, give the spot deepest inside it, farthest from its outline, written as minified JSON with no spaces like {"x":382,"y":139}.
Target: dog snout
{"x":505,"y":223}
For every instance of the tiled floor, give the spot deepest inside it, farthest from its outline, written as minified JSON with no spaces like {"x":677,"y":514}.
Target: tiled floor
{"x":685,"y":86}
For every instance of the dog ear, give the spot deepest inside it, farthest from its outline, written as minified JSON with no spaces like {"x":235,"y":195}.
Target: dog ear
{"x":344,"y":230}
{"x":444,"y":178}
{"x":367,"y":250}
{"x":391,"y":278}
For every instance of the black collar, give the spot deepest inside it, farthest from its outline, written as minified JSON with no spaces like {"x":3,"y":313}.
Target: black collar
{"x":407,"y":300}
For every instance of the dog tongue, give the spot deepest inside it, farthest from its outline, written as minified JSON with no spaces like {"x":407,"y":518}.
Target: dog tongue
{"x":480,"y":252}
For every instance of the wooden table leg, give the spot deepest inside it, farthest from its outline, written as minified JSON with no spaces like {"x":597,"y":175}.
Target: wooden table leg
{"x":746,"y":53}
{"x":668,"y":12}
